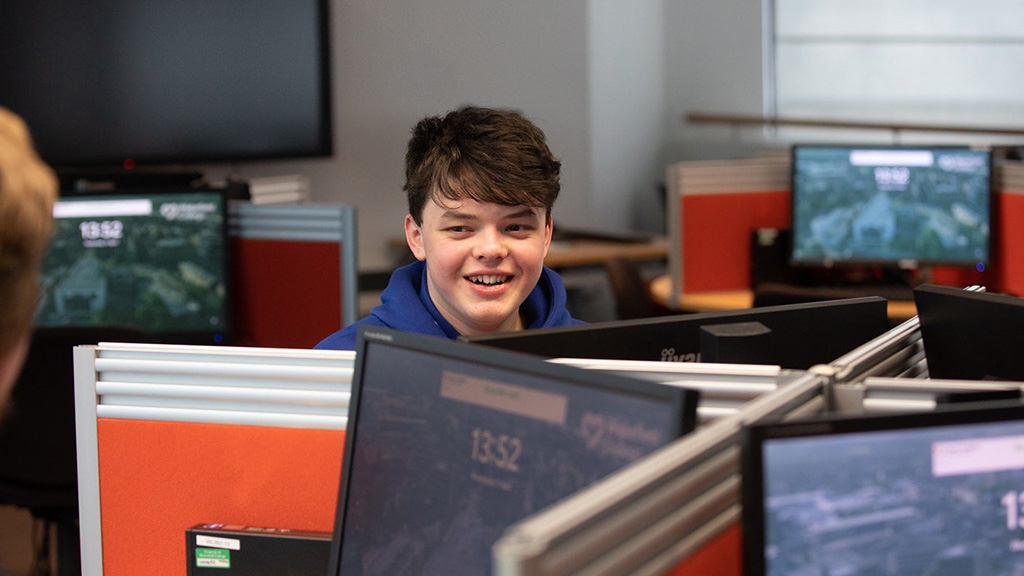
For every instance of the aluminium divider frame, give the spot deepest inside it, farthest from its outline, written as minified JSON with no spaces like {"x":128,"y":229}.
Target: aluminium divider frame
{"x":204,"y":384}
{"x":645,"y":519}
{"x":649,"y":517}
{"x":291,"y":388}
{"x":310,"y":223}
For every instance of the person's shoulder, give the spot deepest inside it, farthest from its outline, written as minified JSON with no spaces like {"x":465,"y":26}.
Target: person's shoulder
{"x":345,"y":339}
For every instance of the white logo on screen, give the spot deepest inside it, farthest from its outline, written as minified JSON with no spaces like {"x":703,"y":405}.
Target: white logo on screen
{"x":187,"y":210}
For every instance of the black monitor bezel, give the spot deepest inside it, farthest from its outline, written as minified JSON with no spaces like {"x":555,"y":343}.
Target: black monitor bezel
{"x":224,"y":336}
{"x":899,"y":263}
{"x":682,"y":399}
{"x":753,"y":437}
{"x":949,"y":346}
{"x":644,"y":325}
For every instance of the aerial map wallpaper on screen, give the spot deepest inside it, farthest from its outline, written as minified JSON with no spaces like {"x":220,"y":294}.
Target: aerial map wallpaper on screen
{"x":939,"y":500}
{"x":152,"y":262}
{"x":450,"y":453}
{"x":887,"y":205}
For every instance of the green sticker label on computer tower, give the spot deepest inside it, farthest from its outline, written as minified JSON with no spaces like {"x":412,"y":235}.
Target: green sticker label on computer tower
{"x":213,"y":558}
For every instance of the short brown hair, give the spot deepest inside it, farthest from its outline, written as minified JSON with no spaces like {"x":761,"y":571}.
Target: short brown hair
{"x":28,"y":189}
{"x":484,"y":154}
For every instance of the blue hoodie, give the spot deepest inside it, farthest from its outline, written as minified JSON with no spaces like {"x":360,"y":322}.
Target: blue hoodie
{"x":406,"y":305}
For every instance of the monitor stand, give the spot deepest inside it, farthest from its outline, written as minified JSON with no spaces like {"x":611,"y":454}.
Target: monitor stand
{"x":889,"y":282}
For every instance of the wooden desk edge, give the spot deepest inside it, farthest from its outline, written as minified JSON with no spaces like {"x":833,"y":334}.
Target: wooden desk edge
{"x":722,"y":300}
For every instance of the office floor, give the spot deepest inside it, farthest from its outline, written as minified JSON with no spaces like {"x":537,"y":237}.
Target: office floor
{"x":15,"y":541}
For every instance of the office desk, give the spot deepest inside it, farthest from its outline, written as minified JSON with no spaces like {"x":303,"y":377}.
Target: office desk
{"x":573,"y":253}
{"x":717,"y":301}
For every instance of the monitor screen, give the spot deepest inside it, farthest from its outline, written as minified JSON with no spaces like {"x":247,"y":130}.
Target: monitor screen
{"x":448,"y":444}
{"x":926,"y":493}
{"x":104,"y":82}
{"x":971,"y":335}
{"x":799,"y":335}
{"x":152,"y":261}
{"x":896,"y":206}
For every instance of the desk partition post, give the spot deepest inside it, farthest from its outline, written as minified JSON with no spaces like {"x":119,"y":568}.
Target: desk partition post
{"x":87,"y":446}
{"x":349,"y":268}
{"x":675,"y":230}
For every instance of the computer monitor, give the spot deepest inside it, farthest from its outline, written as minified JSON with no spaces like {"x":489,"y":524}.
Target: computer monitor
{"x":448,"y":443}
{"x":891,"y":205}
{"x":971,"y":335}
{"x":154,"y":261}
{"x":799,"y":335}
{"x":926,"y":493}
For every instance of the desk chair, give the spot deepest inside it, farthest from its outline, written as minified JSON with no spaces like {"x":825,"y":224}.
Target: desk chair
{"x":632,"y":291}
{"x":38,"y":468}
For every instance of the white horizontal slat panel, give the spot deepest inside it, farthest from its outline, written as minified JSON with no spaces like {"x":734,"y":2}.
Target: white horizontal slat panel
{"x":717,"y":389}
{"x":223,"y":369}
{"x":224,"y":393}
{"x":217,"y":384}
{"x":223,"y":417}
{"x":343,"y":385}
{"x":225,"y":405}
{"x":669,"y":371}
{"x":224,"y":353}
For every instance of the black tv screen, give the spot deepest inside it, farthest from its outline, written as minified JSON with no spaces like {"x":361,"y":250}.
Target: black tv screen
{"x":110,"y":82}
{"x":153,"y":261}
{"x":448,"y":444}
{"x":896,"y":206}
{"x":926,"y":493}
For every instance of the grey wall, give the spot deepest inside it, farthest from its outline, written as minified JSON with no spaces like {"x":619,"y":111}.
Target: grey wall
{"x":712,"y":64}
{"x":627,"y":99}
{"x":607,"y":80}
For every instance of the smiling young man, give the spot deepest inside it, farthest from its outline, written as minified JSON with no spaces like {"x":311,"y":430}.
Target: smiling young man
{"x":480,"y":184}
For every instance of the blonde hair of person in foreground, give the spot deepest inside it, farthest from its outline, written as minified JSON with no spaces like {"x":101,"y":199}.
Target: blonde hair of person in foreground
{"x":28,"y":189}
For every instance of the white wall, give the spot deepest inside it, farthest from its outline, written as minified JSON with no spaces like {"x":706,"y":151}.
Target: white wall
{"x":607,"y":80}
{"x":627,"y":98}
{"x":396,"y":62}
{"x":712,"y":64}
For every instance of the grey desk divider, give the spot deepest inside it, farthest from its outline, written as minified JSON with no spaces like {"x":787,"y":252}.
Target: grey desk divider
{"x":648,"y":517}
{"x":307,"y":222}
{"x":880,"y":395}
{"x":724,"y":388}
{"x":307,"y":388}
{"x":651,"y":516}
{"x":644,"y":519}
{"x":210,"y":384}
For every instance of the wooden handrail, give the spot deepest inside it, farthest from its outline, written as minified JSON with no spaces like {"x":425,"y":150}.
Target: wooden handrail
{"x":738,"y":119}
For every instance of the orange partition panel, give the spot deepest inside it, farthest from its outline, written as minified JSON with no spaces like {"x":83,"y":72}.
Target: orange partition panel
{"x":720,"y":557}
{"x":159,"y":478}
{"x":716,"y":236}
{"x":287,"y":294}
{"x":1010,"y":246}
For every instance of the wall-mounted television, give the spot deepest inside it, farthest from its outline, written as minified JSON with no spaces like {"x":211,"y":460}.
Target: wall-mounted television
{"x":891,"y":205}
{"x":155,"y":261}
{"x":112,"y":83}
